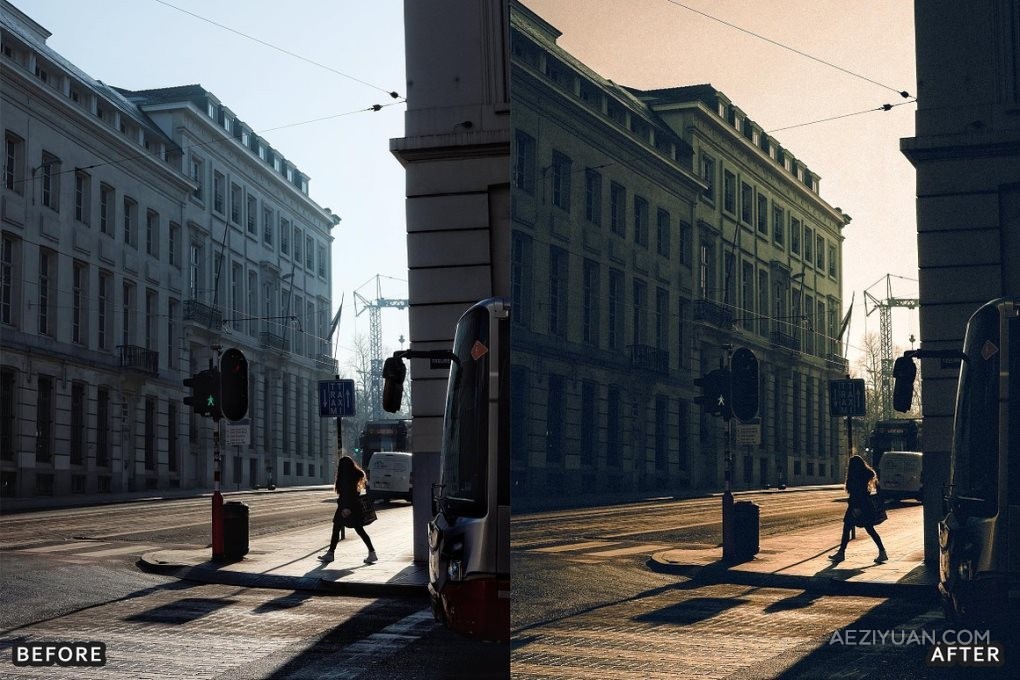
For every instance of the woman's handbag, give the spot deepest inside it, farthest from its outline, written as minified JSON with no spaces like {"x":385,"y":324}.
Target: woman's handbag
{"x":367,"y":509}
{"x":879,"y":515}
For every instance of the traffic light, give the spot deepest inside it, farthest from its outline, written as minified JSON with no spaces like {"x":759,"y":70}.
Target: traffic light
{"x":715,"y":392}
{"x":394,"y":373}
{"x":744,"y":384}
{"x":205,"y":393}
{"x":233,"y":384}
{"x":904,"y":372}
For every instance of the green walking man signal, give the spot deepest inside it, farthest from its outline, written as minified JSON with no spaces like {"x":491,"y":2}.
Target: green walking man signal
{"x":221,"y":392}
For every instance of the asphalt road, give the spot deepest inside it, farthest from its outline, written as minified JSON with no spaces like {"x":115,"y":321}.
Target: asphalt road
{"x":586,"y":604}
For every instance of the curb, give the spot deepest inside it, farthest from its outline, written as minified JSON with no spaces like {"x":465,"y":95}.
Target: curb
{"x":277,"y":582}
{"x":826,"y":585}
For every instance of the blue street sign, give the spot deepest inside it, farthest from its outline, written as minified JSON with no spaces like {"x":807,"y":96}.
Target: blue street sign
{"x":336,"y":398}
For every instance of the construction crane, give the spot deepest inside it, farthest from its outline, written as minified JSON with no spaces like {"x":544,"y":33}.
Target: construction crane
{"x":373,"y":307}
{"x":884,"y":308}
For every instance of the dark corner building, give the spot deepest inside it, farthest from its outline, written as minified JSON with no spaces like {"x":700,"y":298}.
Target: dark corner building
{"x":651,"y":232}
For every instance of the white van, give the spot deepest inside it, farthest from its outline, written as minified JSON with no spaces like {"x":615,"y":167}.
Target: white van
{"x":899,"y":475}
{"x":389,"y":475}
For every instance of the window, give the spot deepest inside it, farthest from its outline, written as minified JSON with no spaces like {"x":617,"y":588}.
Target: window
{"x":520,"y":277}
{"x":8,"y":396}
{"x":103,"y":427}
{"x":236,"y":196}
{"x":196,"y":275}
{"x":589,"y":416}
{"x":151,"y":319}
{"x":685,"y":243}
{"x":47,"y":291}
{"x":127,"y":313}
{"x":661,"y":318}
{"x":763,"y":302}
{"x":106,"y":216}
{"x":662,"y":233}
{"x":809,"y":240}
{"x":174,"y":237}
{"x":309,"y":253}
{"x":83,"y":198}
{"x":219,"y":189}
{"x":639,"y":320}
{"x":9,"y":277}
{"x":171,"y":436}
{"x":14,"y":163}
{"x":640,"y":221}
{"x":554,"y":421}
{"x":152,"y":233}
{"x":763,"y":215}
{"x":524,"y":162}
{"x":593,"y":197}
{"x":253,"y":214}
{"x":519,"y":396}
{"x":236,"y":294}
{"x":729,"y":192}
{"x":661,"y":433}
{"x":746,"y":203}
{"x":77,"y":448}
{"x":617,"y":209}
{"x":778,"y":225}
{"x":79,"y":302}
{"x":171,"y":332}
{"x":706,"y":271}
{"x":590,"y":299}
{"x":50,"y":182}
{"x":130,"y":221}
{"x":561,"y":165}
{"x":794,"y":235}
{"x":747,"y":292}
{"x":614,"y":427}
{"x":44,"y":419}
{"x":820,"y":251}
{"x":708,"y":174}
{"x":322,"y":261}
{"x":253,"y":302}
{"x":832,"y":260}
{"x":103,"y":315}
{"x":557,"y":291}
{"x":267,"y":226}
{"x":150,"y":433}
{"x":284,"y":236}
{"x":198,"y":176}
{"x":615,"y":309}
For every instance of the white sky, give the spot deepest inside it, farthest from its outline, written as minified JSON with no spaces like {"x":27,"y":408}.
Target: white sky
{"x":141,"y":44}
{"x":657,"y":43}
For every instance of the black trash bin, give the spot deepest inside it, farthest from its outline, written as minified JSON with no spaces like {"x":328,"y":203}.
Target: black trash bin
{"x":235,"y":530}
{"x":745,"y":529}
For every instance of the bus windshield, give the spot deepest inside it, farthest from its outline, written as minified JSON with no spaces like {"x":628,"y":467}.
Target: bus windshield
{"x":466,"y":431}
{"x":975,"y":471}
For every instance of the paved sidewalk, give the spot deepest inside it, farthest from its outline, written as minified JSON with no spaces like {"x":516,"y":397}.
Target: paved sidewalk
{"x":799,"y":559}
{"x":288,"y":560}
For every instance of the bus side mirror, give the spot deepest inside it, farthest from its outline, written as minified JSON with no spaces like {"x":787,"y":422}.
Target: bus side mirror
{"x":904,"y":372}
{"x":394,"y":373}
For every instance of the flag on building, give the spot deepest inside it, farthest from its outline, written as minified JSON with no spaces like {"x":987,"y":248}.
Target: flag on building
{"x":336,"y":320}
{"x":846,"y":319}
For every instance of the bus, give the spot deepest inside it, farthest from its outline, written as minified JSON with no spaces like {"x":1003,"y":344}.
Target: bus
{"x":383,"y":435}
{"x":979,"y":535}
{"x":902,"y":434}
{"x":469,"y":535}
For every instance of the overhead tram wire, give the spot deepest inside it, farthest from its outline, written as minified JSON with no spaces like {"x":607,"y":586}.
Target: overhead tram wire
{"x":902,"y":93}
{"x":189,"y":147}
{"x":392,"y":94}
{"x":883,"y":107}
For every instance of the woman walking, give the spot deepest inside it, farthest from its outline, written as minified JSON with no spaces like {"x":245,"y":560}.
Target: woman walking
{"x":860,"y":482}
{"x":350,"y":482}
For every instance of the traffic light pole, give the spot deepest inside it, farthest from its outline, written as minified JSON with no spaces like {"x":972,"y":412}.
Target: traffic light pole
{"x":727,"y":497}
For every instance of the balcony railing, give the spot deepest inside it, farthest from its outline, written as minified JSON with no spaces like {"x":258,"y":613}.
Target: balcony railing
{"x":199,"y":312}
{"x":326,"y":362}
{"x":649,"y":358}
{"x":274,"y":341}
{"x":713,"y":313}
{"x":837,"y":362}
{"x":139,"y":359}
{"x":786,"y":340}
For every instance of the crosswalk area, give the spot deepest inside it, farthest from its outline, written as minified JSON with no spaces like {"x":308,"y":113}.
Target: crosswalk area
{"x":81,"y":550}
{"x":594,"y":551}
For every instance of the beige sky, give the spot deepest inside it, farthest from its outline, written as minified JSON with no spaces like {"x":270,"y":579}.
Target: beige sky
{"x":656,"y":43}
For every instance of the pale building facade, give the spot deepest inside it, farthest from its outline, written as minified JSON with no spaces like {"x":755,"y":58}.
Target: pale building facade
{"x":109,"y":294}
{"x":651,"y":230}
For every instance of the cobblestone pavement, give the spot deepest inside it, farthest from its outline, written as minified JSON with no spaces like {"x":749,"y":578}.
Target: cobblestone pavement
{"x":193,"y":632}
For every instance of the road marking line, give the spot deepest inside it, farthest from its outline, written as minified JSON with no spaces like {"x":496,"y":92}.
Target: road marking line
{"x":633,"y":550}
{"x":123,"y":550}
{"x":574,"y":546}
{"x":63,"y":546}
